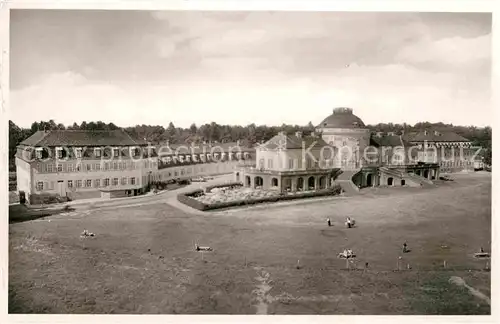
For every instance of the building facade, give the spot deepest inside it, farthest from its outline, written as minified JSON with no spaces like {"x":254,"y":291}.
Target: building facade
{"x":341,"y":150}
{"x":90,"y":164}
{"x":82,"y":164}
{"x":289,"y":163}
{"x":452,"y":152}
{"x":179,"y":161}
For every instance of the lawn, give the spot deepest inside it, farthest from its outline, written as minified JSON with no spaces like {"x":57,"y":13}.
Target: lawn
{"x":142,"y":258}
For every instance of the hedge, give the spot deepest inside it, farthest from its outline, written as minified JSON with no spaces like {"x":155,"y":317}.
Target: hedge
{"x":46,"y":199}
{"x":223,"y":185}
{"x":186,"y":198}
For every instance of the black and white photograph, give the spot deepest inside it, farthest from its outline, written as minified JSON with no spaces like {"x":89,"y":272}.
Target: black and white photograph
{"x":249,"y":162}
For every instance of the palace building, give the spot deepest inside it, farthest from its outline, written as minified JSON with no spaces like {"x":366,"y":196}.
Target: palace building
{"x":453,"y":153}
{"x":78,"y":164}
{"x":89,"y":164}
{"x":281,"y":165}
{"x":342,"y":150}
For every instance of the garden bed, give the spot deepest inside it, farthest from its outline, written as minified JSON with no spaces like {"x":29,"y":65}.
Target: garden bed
{"x":223,"y":196}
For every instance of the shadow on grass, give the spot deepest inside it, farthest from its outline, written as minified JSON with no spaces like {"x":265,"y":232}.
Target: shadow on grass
{"x":21,"y":213}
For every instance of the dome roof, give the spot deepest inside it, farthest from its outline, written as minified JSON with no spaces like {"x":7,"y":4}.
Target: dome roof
{"x":342,"y":118}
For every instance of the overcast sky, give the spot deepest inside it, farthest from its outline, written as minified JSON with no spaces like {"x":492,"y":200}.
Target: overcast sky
{"x":140,"y":67}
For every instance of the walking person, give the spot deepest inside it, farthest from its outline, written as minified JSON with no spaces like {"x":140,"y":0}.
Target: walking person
{"x":349,"y":224}
{"x":329,"y":222}
{"x":405,"y":247}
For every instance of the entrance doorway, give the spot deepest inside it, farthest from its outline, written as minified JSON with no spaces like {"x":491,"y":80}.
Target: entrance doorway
{"x":390,"y":181}
{"x":369,"y":180}
{"x":310,"y":183}
{"x":258,"y":182}
{"x":300,"y":184}
{"x":61,"y":190}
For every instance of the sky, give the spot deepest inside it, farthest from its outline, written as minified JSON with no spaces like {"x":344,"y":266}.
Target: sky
{"x":156,"y":67}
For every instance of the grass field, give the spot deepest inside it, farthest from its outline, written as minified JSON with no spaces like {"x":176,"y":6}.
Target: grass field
{"x":142,"y":258}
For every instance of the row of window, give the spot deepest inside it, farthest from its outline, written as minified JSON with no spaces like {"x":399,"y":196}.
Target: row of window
{"x":202,"y":157}
{"x":89,"y":183}
{"x":450,"y":152}
{"x":78,"y":167}
{"x":79,"y":152}
{"x":187,"y":171}
{"x":455,"y":163}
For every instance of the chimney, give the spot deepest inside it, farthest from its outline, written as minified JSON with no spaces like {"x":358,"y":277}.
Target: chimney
{"x":168,"y":143}
{"x":378,"y":134}
{"x":238,"y":143}
{"x":437,"y":133}
{"x":425,"y":133}
{"x":298,"y":134}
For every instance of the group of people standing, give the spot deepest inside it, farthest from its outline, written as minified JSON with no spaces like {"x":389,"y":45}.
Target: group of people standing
{"x":348,"y":222}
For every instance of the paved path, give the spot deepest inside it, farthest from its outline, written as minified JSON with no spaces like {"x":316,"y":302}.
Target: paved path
{"x":345,"y":181}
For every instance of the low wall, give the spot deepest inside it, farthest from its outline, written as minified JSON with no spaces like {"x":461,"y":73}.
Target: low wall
{"x":224,"y":185}
{"x":84,"y":194}
{"x":45,"y":199}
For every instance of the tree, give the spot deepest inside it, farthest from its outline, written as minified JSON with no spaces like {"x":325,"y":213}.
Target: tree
{"x":74,"y":127}
{"x":171,"y":132}
{"x":193,"y":129}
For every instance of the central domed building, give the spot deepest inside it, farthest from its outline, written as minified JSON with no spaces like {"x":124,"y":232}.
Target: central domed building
{"x":347,"y":133}
{"x":341,"y":150}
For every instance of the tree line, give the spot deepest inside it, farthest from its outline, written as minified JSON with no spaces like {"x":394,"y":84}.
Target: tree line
{"x":248,"y":135}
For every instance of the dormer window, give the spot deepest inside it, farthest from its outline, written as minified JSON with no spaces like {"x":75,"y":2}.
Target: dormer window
{"x":181,"y":158}
{"x":97,"y":152}
{"x":188,"y":158}
{"x":78,"y":152}
{"x":202,"y":157}
{"x":59,"y":151}
{"x":209,"y":156}
{"x":169,"y":159}
{"x":38,"y":152}
{"x":116,"y":152}
{"x":195,"y":158}
{"x":175,"y":159}
{"x":238,"y":155}
{"x":246,"y":155}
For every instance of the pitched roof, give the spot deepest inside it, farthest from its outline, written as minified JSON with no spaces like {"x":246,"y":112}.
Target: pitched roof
{"x":388,"y":141}
{"x":285,"y":141}
{"x":233,"y":147}
{"x":434,"y":136}
{"x":81,"y":138}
